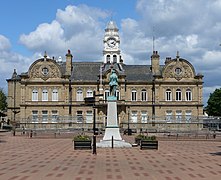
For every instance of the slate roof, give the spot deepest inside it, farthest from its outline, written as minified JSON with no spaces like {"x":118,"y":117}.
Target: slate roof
{"x":138,"y":73}
{"x":89,"y":71}
{"x":85,"y":71}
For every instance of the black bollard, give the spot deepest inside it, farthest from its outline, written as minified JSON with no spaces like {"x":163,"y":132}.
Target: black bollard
{"x":112,"y":142}
{"x":31,"y":134}
{"x":94,"y":144}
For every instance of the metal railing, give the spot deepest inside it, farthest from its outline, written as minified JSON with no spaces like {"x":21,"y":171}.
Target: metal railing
{"x":159,"y":124}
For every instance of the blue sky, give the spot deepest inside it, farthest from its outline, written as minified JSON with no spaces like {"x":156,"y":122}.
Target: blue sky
{"x":28,"y":28}
{"x":24,"y":16}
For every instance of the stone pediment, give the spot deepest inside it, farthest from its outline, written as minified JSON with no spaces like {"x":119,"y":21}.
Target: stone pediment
{"x":178,"y":69}
{"x":44,"y":69}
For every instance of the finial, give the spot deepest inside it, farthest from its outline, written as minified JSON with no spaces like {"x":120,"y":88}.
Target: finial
{"x":177,"y":55}
{"x":45,"y":56}
{"x":14,"y":74}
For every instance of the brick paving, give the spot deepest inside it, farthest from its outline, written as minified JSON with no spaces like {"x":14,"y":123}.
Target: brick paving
{"x":24,"y":158}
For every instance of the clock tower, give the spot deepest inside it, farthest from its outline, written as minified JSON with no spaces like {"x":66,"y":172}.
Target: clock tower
{"x":111,"y":50}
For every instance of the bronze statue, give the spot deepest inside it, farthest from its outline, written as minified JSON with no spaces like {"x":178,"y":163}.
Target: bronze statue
{"x":113,"y":83}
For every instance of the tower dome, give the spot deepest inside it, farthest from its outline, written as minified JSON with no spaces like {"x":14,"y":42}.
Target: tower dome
{"x":111,"y":26}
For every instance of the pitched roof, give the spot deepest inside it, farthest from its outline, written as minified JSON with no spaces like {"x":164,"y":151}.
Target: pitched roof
{"x":85,"y":71}
{"x":89,"y":71}
{"x":138,"y":73}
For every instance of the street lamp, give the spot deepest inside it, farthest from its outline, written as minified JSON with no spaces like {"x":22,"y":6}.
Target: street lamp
{"x":90,"y":101}
{"x":128,"y":125}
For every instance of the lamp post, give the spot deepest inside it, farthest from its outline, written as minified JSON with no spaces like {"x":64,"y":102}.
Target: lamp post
{"x":94,"y":129}
{"x":153,"y":100}
{"x":90,"y":101}
{"x":70,"y":97}
{"x":14,"y":111}
{"x":128,"y":125}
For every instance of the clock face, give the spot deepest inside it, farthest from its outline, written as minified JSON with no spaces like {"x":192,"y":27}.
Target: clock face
{"x":111,"y":43}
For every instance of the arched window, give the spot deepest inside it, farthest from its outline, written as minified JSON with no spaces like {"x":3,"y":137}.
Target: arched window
{"x":108,"y":58}
{"x":55,"y":95}
{"x":178,"y":95}
{"x":133,"y":95}
{"x":106,"y":94}
{"x":118,"y":94}
{"x":35,"y":95}
{"x":45,"y":95}
{"x":168,"y":95}
{"x":89,"y":93}
{"x":114,"y":58}
{"x":143,"y":95}
{"x":188,"y":95}
{"x":79,"y":95}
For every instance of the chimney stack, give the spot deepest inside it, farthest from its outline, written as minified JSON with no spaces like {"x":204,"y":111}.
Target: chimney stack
{"x":69,"y":63}
{"x":155,"y":60}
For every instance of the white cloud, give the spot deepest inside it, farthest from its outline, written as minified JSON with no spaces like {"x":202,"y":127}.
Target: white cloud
{"x":10,"y":60}
{"x":4,"y":43}
{"x":76,"y":20}
{"x":190,"y":27}
{"x":47,"y":36}
{"x":77,"y":28}
{"x":211,"y":60}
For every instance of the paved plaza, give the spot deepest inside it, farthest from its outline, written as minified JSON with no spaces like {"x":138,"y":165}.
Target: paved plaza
{"x":24,"y":158}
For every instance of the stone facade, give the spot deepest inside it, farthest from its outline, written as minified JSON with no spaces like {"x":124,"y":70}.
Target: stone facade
{"x":52,"y":92}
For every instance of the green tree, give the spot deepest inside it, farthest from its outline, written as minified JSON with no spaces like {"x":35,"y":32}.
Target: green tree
{"x":214,"y":103}
{"x":3,"y":100}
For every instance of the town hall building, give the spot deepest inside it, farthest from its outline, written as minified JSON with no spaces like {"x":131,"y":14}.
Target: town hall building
{"x":51,"y":93}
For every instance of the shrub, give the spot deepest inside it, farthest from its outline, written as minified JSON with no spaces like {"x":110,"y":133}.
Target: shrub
{"x":81,"y":138}
{"x":143,"y":137}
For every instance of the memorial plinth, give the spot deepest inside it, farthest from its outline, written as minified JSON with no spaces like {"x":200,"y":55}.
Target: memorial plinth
{"x":112,"y":129}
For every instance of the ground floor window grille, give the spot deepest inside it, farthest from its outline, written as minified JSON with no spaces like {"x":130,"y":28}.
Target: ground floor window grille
{"x":34,"y":116}
{"x":54,"y":116}
{"x":169,"y":116}
{"x":89,"y":117}
{"x":79,"y":117}
{"x":134,"y":117}
{"x":44,"y":116}
{"x":143,"y":117}
{"x":188,"y":116}
{"x":178,"y":116}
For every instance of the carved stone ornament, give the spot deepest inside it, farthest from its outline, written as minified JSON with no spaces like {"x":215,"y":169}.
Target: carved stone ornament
{"x":178,"y":70}
{"x":44,"y":71}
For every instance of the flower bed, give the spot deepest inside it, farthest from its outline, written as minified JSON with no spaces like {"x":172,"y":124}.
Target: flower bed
{"x":82,"y":142}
